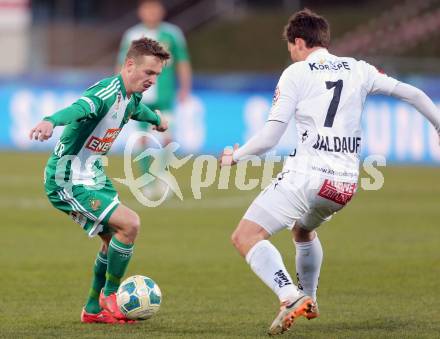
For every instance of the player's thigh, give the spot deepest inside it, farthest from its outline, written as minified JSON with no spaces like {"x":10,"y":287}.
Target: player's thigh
{"x":325,"y":198}
{"x":275,"y":208}
{"x":124,"y":218}
{"x":317,"y":215}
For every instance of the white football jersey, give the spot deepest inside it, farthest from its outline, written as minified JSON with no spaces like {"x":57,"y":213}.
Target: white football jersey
{"x":325,"y":95}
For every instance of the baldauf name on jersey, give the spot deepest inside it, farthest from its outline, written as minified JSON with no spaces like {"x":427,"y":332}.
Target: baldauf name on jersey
{"x":102,"y":145}
{"x":338,"y":144}
{"x":328,"y":66}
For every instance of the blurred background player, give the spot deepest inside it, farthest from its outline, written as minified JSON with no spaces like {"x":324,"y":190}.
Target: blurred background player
{"x":93,"y":123}
{"x":163,"y":94}
{"x":325,"y":95}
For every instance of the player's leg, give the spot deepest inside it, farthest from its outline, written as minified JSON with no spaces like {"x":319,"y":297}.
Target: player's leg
{"x":100,"y":212}
{"x":308,"y":262}
{"x":309,"y":252}
{"x":92,"y":312}
{"x":91,"y":209}
{"x":98,"y":281}
{"x":250,"y":239}
{"x":308,"y":259}
{"x":126,"y":225}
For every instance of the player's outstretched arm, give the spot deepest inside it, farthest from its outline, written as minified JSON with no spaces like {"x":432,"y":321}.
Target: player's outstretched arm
{"x":260,"y":143}
{"x":42,"y":131}
{"x":420,"y":101}
{"x":81,"y":109}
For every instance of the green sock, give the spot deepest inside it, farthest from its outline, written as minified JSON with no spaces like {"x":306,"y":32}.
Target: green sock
{"x":119,"y":255}
{"x":92,"y":304}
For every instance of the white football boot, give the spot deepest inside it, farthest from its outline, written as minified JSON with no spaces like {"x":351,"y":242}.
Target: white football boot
{"x":304,"y":306}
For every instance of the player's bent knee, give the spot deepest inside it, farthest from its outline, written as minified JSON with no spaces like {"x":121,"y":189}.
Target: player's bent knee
{"x":247,"y":235}
{"x":300,"y":234}
{"x":236,"y":239}
{"x":133,"y":225}
{"x":129,"y":226}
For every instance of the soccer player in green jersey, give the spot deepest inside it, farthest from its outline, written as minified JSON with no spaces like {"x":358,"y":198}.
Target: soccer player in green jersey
{"x":74,"y":179}
{"x":161,"y":96}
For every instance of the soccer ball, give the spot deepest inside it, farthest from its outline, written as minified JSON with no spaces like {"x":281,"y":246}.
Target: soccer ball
{"x":138,"y":297}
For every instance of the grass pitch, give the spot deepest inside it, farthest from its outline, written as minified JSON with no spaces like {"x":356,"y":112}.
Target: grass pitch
{"x":380,"y":277}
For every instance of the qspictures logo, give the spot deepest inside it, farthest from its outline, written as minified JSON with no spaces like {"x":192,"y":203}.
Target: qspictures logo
{"x":205,"y":171}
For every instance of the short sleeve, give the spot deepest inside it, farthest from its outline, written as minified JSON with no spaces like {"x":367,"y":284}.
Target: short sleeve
{"x":285,"y":98}
{"x":377,"y":82}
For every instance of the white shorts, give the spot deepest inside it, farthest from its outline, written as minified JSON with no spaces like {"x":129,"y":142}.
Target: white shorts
{"x":293,"y":197}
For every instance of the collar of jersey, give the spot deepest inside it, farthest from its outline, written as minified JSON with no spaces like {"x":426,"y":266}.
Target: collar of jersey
{"x":123,"y":90}
{"x":318,"y":52}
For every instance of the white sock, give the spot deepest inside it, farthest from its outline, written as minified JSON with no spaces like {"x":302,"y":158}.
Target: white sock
{"x":308,"y":265}
{"x":266,"y":262}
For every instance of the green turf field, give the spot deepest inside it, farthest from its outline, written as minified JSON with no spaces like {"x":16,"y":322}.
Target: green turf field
{"x":380,"y":278}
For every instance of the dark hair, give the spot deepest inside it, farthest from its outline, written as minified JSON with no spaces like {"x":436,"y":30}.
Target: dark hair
{"x":309,"y":26}
{"x":146,"y":46}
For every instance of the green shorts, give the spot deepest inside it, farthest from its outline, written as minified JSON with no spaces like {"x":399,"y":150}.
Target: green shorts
{"x":90,"y":208}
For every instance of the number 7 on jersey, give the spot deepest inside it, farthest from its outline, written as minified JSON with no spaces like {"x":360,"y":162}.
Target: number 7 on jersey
{"x":331,"y":112}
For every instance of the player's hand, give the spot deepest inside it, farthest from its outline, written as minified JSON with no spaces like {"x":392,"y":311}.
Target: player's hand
{"x":225,"y":159}
{"x":163,"y":122}
{"x":42,"y":131}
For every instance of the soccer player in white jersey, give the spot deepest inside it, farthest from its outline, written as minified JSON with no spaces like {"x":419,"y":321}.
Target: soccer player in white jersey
{"x":74,"y":179}
{"x":325,"y":95}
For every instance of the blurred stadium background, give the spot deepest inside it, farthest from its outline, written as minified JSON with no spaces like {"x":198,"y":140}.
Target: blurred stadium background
{"x":381,"y":269}
{"x":53,"y":50}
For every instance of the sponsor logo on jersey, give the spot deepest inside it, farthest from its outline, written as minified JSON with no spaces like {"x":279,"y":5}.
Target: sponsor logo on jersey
{"x":102,"y":145}
{"x":338,"y":144}
{"x":339,"y":192}
{"x":327,"y":65}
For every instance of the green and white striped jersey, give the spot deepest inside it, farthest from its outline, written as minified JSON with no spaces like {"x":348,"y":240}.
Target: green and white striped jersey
{"x":93,"y":123}
{"x":162,"y":94}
